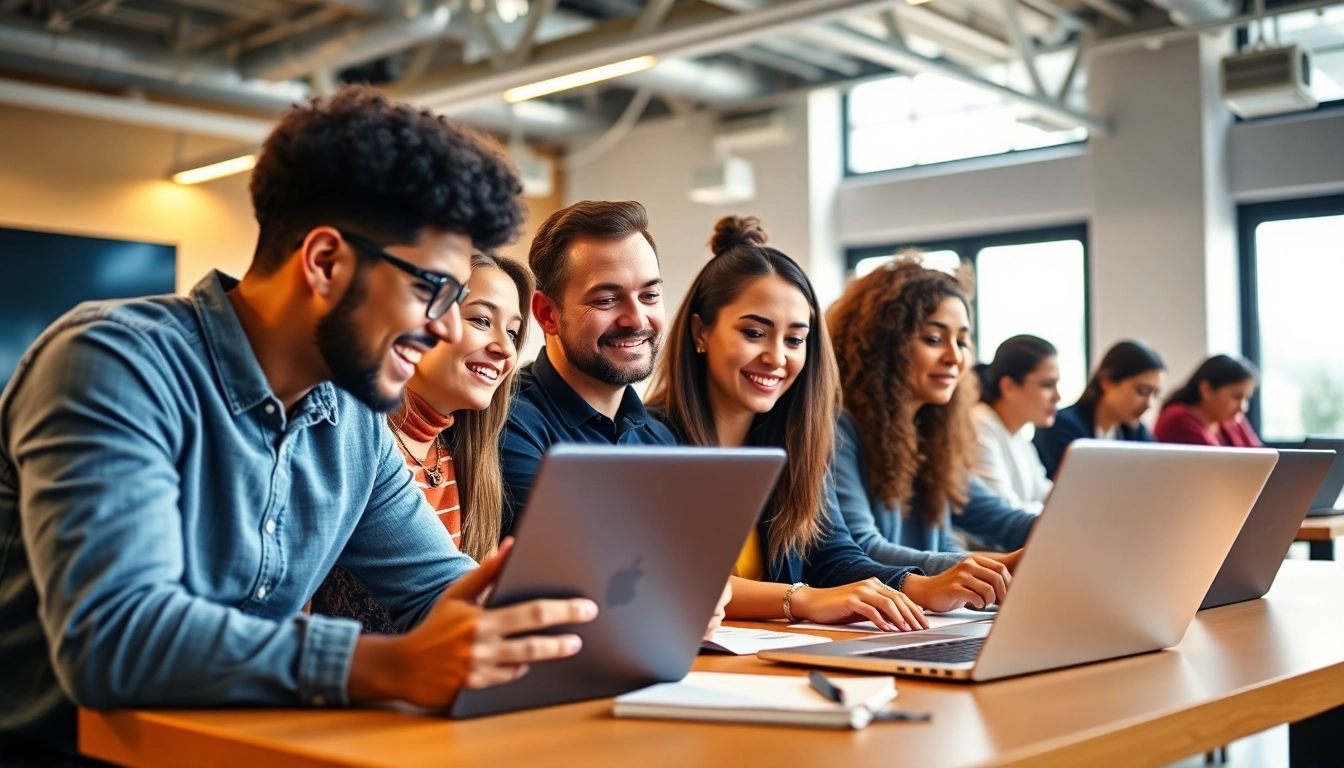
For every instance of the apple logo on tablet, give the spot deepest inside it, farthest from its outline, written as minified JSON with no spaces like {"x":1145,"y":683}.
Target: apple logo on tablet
{"x":621,"y":586}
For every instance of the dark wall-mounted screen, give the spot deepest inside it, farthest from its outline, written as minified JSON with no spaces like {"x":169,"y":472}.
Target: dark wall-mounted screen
{"x":43,"y":275}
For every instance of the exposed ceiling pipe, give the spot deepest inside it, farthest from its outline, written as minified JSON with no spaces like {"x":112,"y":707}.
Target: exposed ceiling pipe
{"x":1189,"y":13}
{"x":209,"y":73}
{"x":904,"y":60}
{"x":76,"y":55}
{"x":339,"y":46}
{"x":133,"y":111}
{"x":682,"y":37}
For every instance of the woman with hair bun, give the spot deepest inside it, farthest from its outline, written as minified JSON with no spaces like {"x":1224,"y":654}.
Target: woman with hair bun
{"x":1019,"y":388}
{"x":1210,"y":408}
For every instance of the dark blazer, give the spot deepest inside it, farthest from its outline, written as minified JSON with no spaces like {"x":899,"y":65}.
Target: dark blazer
{"x":1076,"y":421}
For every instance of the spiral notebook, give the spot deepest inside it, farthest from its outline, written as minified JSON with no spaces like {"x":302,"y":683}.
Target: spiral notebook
{"x":768,"y":699}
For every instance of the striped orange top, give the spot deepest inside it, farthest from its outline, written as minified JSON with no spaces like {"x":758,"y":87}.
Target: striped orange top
{"x":444,"y":498}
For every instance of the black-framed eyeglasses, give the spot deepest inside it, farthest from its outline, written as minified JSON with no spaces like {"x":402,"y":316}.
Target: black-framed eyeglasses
{"x":446,"y":289}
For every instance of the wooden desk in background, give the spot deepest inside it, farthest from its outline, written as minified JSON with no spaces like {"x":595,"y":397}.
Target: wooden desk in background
{"x":1320,"y":534}
{"x":1240,"y":669}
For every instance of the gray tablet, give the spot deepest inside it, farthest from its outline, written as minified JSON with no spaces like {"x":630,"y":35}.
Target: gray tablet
{"x":651,"y":535}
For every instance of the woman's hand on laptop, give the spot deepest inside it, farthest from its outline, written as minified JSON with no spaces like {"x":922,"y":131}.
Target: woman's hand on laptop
{"x":461,"y":644}
{"x":870,"y":600}
{"x":720,"y":611}
{"x":977,"y":582}
{"x":1009,"y":559}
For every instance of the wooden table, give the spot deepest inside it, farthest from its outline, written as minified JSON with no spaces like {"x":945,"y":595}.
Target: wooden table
{"x":1240,"y":669}
{"x":1320,"y":534}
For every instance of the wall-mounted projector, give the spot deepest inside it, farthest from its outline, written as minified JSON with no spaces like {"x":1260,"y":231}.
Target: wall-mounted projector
{"x":730,"y":180}
{"x":1267,"y":82}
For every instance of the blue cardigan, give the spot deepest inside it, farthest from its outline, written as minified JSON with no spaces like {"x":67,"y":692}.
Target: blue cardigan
{"x":1077,"y":421}
{"x":834,"y":561}
{"x":898,"y":537}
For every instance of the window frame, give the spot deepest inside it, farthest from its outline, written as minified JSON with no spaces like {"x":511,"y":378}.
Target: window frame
{"x":948,"y":165}
{"x":1249,"y":217}
{"x":968,"y":249}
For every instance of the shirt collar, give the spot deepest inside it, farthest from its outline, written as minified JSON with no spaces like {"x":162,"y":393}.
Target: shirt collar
{"x":573,"y":408}
{"x":236,"y":366}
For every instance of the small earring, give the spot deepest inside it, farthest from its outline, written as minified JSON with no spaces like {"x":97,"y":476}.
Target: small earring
{"x":700,"y":350}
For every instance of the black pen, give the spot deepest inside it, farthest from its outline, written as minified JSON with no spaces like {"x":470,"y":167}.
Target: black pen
{"x":826,"y":688}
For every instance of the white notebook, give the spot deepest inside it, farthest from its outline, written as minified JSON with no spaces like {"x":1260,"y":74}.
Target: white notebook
{"x":771,"y":699}
{"x":741,"y":641}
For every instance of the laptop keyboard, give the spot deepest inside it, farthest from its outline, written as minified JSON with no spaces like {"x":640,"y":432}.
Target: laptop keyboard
{"x":952,"y":651}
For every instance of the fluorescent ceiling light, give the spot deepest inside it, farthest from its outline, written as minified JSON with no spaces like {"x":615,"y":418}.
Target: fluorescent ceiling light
{"x":216,"y":170}
{"x":916,"y":2}
{"x":577,"y":79}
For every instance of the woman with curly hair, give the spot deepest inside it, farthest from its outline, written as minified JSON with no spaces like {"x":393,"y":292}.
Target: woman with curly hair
{"x":448,"y":426}
{"x":905,"y":445}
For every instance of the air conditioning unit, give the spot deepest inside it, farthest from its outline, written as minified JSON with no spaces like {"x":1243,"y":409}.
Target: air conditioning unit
{"x":730,"y":180}
{"x":752,"y":132}
{"x":1267,"y":82}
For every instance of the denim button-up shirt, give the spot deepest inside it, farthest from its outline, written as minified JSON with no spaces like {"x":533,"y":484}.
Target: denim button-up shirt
{"x":163,"y":520}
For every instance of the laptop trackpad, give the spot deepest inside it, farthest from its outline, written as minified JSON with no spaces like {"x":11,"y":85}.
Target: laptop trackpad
{"x":954,"y":632}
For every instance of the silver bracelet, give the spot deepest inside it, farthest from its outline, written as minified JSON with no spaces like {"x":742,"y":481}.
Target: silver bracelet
{"x":788,"y":596}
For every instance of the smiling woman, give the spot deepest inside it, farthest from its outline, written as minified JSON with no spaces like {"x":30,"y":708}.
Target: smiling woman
{"x":449,"y":423}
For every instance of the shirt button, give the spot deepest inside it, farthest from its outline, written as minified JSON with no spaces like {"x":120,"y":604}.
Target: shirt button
{"x":319,"y":700}
{"x":261,"y":592}
{"x":270,"y":408}
{"x":270,"y":526}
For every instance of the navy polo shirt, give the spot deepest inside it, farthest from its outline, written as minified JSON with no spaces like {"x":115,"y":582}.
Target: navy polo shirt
{"x":547,"y":411}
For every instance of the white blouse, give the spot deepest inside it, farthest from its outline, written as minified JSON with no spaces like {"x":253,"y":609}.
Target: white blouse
{"x":1008,"y":463}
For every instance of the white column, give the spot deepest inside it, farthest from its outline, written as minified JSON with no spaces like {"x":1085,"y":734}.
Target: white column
{"x":1163,"y":240}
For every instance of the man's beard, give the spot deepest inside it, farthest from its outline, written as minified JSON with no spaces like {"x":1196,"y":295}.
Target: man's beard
{"x":593,"y":363}
{"x":338,"y":341}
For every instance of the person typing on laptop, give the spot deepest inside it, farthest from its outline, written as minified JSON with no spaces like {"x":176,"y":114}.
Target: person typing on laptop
{"x":177,"y":474}
{"x":749,"y":364}
{"x":906,"y":443}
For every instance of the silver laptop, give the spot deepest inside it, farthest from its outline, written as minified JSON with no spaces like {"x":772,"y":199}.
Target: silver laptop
{"x":648,"y":533}
{"x":1250,"y":567}
{"x":1124,"y":551}
{"x":1329,"y":500}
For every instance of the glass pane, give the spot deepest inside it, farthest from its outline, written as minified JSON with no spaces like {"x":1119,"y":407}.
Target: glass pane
{"x":1035,"y":288}
{"x":1300,"y":272}
{"x":903,"y":121}
{"x":947,"y":261}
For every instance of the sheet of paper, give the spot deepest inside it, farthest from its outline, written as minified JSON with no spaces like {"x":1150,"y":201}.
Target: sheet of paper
{"x":741,"y":641}
{"x":936,"y":621}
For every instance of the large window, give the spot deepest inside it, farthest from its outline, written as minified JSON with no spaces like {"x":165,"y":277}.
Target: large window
{"x":1293,"y":298}
{"x":904,"y":121}
{"x":1026,"y":282}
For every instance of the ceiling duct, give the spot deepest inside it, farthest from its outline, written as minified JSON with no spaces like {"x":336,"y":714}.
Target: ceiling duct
{"x":1189,"y":13}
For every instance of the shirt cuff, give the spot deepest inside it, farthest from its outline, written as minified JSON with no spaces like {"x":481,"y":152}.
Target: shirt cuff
{"x":324,"y":661}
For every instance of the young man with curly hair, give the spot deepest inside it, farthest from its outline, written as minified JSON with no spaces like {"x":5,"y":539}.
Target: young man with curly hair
{"x":178,"y":473}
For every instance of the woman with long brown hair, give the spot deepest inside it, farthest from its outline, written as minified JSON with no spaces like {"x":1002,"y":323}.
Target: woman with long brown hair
{"x":906,"y":446}
{"x":449,"y":423}
{"x":748,"y":363}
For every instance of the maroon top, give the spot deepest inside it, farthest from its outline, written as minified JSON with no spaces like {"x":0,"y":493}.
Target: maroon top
{"x":1180,"y":424}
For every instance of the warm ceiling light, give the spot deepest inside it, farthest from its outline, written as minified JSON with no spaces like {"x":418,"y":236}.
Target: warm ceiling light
{"x":916,"y":2}
{"x":577,"y":79}
{"x":216,"y":170}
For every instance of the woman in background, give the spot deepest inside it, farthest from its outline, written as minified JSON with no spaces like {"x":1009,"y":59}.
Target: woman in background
{"x":1020,"y":388}
{"x":906,"y":443}
{"x":1124,"y":388}
{"x":1210,"y":408}
{"x":448,"y":427}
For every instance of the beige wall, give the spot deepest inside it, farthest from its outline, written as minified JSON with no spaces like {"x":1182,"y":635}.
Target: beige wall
{"x":103,"y":179}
